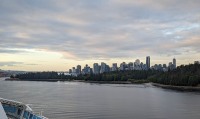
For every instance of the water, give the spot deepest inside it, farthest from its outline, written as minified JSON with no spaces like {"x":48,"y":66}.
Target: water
{"x":72,"y":100}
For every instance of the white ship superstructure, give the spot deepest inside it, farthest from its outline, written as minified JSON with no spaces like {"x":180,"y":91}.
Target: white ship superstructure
{"x":16,"y":110}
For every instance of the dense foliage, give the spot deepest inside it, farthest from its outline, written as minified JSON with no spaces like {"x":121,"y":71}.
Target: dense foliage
{"x":118,"y":76}
{"x":42,"y":75}
{"x":188,"y":75}
{"x":111,"y":76}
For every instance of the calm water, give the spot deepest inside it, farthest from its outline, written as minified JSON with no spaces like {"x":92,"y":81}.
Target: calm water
{"x":71,"y":100}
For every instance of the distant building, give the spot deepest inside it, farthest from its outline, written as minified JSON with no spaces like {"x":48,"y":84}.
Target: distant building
{"x":196,"y":62}
{"x":122,"y":66}
{"x":107,"y":68}
{"x":99,"y":68}
{"x":155,"y":67}
{"x":165,"y":69}
{"x":78,"y":69}
{"x":171,"y":66}
{"x":164,"y":66}
{"x":70,"y":71}
{"x":160,"y":67}
{"x":91,"y":71}
{"x":73,"y":70}
{"x":137,"y":61}
{"x":144,"y":67}
{"x":130,"y":66}
{"x":137,"y":65}
{"x":103,"y":67}
{"x":96,"y":68}
{"x":114,"y":67}
{"x":86,"y":69}
{"x":174,"y":62}
{"x":148,"y":62}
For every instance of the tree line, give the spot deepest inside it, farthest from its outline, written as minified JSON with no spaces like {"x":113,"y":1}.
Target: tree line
{"x":188,"y":75}
{"x":42,"y":75}
{"x":118,"y":75}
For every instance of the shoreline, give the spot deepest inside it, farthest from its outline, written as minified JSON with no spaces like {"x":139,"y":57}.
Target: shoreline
{"x":44,"y":80}
{"x":109,"y":82}
{"x":64,"y":80}
{"x":179,"y":88}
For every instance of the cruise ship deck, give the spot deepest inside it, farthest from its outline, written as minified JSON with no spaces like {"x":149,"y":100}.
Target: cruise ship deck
{"x":16,"y":110}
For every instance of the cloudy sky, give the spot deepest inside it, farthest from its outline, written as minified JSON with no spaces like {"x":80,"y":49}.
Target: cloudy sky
{"x":45,"y":35}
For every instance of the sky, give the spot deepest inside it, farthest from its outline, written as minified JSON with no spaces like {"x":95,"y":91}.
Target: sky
{"x":55,"y":35}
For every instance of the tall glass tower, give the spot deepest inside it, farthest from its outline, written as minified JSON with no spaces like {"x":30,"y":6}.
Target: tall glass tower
{"x":148,"y":62}
{"x":174,"y":62}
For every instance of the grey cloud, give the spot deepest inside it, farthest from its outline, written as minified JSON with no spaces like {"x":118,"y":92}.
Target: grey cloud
{"x":12,"y":51}
{"x":10,"y":63}
{"x":31,"y":64}
{"x":101,"y":28}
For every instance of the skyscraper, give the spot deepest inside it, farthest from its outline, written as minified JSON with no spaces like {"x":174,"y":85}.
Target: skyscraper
{"x":122,"y":66}
{"x":73,"y":70}
{"x":137,"y":64}
{"x":78,"y":69}
{"x":137,"y":61}
{"x":103,"y":67}
{"x":107,"y":68}
{"x":130,"y":66}
{"x":174,"y":62}
{"x":70,"y":71}
{"x":171,"y":66}
{"x":86,"y":69}
{"x":96,"y":68}
{"x":148,"y":62}
{"x":114,"y":67}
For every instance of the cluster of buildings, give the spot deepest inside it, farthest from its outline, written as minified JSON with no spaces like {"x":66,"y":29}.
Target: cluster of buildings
{"x":137,"y":65}
{"x":164,"y":67}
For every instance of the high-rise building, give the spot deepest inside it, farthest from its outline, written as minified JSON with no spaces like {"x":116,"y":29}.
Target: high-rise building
{"x":103,"y":67}
{"x":164,"y":66}
{"x":137,"y":65}
{"x":130,"y":66}
{"x":122,"y":66}
{"x":114,"y":67}
{"x":73,"y":70}
{"x":137,"y":61}
{"x":107,"y":68}
{"x":160,"y":67}
{"x":70,"y":71}
{"x":174,"y":62}
{"x":96,"y":68}
{"x":86,"y":69}
{"x":91,"y":71}
{"x":148,"y":62}
{"x":78,"y":69}
{"x":99,"y":68}
{"x":171,"y":66}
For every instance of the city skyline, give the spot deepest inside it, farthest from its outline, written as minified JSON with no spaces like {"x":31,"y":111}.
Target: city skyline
{"x":50,"y":35}
{"x":102,"y":67}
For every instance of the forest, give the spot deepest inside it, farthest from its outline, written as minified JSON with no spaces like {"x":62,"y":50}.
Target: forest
{"x":188,"y":75}
{"x":119,"y":75}
{"x":41,"y":75}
